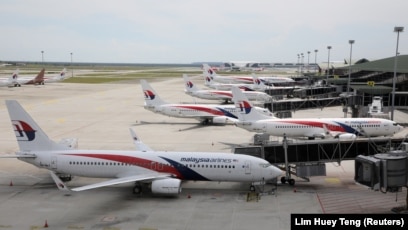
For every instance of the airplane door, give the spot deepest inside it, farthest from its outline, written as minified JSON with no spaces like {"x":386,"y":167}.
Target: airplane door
{"x":386,"y":127}
{"x":54,"y":162}
{"x":247,"y":166}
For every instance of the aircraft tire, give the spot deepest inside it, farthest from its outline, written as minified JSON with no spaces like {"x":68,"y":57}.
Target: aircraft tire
{"x":137,"y":189}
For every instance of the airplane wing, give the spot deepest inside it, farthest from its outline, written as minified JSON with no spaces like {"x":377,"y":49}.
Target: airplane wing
{"x":19,"y":156}
{"x":121,"y":180}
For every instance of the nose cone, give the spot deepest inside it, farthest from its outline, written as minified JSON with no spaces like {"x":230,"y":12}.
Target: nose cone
{"x":400,"y":128}
{"x":274,"y":172}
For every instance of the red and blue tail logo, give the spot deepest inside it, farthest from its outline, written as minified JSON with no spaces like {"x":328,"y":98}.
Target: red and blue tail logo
{"x":257,"y":81}
{"x":190,"y":84}
{"x":149,"y":95}
{"x":23,"y":131}
{"x":244,"y":106}
{"x":14,"y":76}
{"x":210,"y":71}
{"x":208,"y":79}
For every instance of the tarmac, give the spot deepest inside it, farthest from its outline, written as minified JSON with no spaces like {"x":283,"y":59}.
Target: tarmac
{"x":100,"y":115}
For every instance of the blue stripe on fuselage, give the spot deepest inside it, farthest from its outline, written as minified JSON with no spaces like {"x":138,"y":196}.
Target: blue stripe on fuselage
{"x":349,"y":129}
{"x":228,"y":114}
{"x":187,"y":173}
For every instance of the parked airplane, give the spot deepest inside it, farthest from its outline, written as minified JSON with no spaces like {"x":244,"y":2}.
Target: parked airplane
{"x":163,"y":170}
{"x":37,"y":80}
{"x":257,"y":85}
{"x":215,"y":114}
{"x":209,"y":72}
{"x":57,"y":78}
{"x":226,"y":96}
{"x":343,"y":128}
{"x":11,"y":81}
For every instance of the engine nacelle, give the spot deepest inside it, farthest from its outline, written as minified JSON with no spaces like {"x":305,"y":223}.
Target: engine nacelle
{"x":220,"y":120}
{"x":167,"y":186}
{"x":346,"y":136}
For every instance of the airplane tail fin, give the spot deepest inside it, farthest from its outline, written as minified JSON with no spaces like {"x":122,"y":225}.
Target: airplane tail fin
{"x":208,"y":71}
{"x":189,"y":86}
{"x":13,"y":78}
{"x":39,"y":79}
{"x":62,"y":74}
{"x":29,"y":135}
{"x":150,"y":95}
{"x":247,"y":112}
{"x":258,"y":83}
{"x":209,"y":82}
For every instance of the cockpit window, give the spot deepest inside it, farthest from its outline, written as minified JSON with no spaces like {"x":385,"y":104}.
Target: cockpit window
{"x":265,"y":165}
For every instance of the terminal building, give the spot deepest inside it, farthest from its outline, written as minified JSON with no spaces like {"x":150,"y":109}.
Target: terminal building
{"x":368,"y":81}
{"x":369,"y":94}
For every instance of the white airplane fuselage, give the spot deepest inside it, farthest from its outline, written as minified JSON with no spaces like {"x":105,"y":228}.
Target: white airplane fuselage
{"x":203,"y":111}
{"x":227,"y":95}
{"x":369,"y":127}
{"x":200,"y":166}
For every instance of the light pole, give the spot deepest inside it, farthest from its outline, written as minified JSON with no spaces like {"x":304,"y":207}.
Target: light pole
{"x":308,"y":56}
{"x":351,"y":42}
{"x":72,"y":68}
{"x":397,"y":29}
{"x":328,"y":65}
{"x":301,"y":66}
{"x":345,"y":108}
{"x":315,"y":60}
{"x":298,"y":63}
{"x":42,"y":57}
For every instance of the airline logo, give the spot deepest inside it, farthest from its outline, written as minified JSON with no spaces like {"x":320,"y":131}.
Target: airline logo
{"x":14,"y":76}
{"x":207,"y":79}
{"x":257,"y":81}
{"x":244,"y":107}
{"x":23,"y":131}
{"x":62,"y":74}
{"x":149,"y":95}
{"x":210,"y":71}
{"x":244,"y":88}
{"x":189,"y":84}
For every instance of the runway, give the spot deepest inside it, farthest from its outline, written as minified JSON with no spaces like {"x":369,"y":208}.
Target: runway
{"x":100,"y":116}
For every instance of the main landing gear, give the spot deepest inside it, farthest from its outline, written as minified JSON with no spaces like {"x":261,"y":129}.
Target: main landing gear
{"x":290,"y":181}
{"x":137,"y":189}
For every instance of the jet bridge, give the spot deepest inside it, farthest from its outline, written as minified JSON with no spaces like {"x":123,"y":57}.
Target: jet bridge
{"x":306,"y":158}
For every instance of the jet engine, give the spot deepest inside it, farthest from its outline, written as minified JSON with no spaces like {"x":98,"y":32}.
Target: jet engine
{"x":346,"y":136}
{"x":220,"y":120}
{"x":169,"y":186}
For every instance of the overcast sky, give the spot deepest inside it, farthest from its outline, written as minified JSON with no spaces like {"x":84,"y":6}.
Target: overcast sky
{"x":185,"y":31}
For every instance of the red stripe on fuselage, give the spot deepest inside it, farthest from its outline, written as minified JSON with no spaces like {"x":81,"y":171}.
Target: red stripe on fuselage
{"x":202,"y":109}
{"x":143,"y":163}
{"x":330,"y":127}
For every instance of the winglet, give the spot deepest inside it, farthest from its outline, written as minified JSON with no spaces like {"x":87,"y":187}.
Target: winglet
{"x":138,"y":143}
{"x":61,"y":186}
